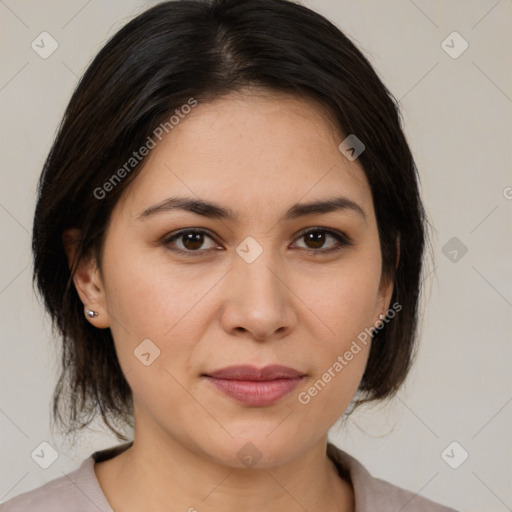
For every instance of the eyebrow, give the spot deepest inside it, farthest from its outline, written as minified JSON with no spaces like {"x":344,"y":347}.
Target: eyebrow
{"x":213,"y":210}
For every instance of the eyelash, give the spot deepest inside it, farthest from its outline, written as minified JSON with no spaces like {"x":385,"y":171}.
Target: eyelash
{"x":343,"y":240}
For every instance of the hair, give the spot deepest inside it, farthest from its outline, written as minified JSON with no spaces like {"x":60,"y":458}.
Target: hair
{"x":206,"y":49}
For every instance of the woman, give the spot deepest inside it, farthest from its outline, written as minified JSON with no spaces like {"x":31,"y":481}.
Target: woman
{"x":229,"y":237}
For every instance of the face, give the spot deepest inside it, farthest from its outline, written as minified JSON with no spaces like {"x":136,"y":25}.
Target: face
{"x":257,"y":279}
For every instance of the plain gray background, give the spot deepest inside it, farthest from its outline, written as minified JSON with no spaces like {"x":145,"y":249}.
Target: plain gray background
{"x":457,"y":117}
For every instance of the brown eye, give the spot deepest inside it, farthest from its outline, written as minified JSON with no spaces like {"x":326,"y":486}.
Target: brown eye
{"x":315,"y":240}
{"x":190,"y":240}
{"x":193,"y":241}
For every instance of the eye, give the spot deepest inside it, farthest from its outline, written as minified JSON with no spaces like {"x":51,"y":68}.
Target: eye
{"x":315,"y":240}
{"x":188,"y":241}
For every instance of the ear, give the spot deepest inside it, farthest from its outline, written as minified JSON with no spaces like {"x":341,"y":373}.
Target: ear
{"x":87,"y":280}
{"x":384,"y":298}
{"x":386,"y":286}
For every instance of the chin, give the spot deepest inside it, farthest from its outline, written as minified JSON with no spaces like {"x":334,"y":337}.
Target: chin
{"x":255,"y":448}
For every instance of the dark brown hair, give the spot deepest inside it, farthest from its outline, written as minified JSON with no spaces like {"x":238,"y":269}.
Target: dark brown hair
{"x":205,"y":49}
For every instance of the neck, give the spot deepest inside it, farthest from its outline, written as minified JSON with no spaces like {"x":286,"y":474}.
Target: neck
{"x":160,"y":474}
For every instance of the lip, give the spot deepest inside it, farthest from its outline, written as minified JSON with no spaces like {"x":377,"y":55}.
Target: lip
{"x":254,"y":386}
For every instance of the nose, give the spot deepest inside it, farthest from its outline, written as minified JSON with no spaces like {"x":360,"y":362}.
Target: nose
{"x":258,"y":299}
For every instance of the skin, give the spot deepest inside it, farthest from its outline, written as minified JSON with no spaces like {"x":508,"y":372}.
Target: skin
{"x":257,"y":153}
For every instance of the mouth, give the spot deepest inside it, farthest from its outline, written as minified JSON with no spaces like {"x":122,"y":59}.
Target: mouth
{"x":257,"y":387}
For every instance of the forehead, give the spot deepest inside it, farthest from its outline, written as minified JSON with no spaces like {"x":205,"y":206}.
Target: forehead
{"x":251,"y":152}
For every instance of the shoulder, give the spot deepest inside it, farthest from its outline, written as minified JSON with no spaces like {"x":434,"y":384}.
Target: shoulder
{"x":375,"y":494}
{"x":78,"y":491}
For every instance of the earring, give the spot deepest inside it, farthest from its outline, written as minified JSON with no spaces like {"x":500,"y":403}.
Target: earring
{"x":381,"y":316}
{"x":90,"y":313}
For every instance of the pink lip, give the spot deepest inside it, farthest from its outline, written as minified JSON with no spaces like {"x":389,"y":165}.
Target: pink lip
{"x":255,"y":386}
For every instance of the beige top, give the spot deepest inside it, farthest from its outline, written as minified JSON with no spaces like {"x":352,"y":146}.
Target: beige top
{"x":80,"y":490}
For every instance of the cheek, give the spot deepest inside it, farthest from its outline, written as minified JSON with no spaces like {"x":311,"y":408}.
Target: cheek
{"x":150,"y":298}
{"x":138,"y":301}
{"x":153,"y":319}
{"x":344,"y":301}
{"x":338,"y":359}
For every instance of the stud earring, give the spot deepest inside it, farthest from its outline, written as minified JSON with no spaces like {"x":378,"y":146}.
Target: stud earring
{"x":90,"y":313}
